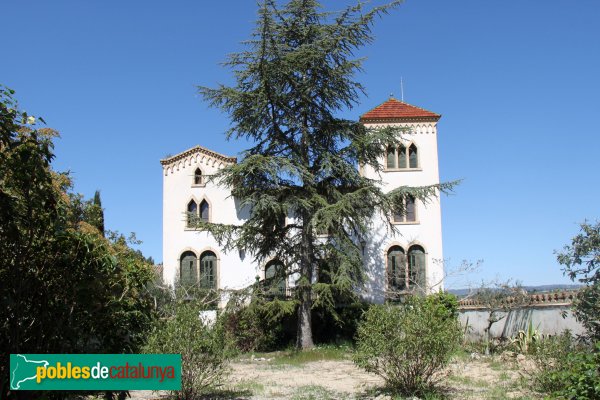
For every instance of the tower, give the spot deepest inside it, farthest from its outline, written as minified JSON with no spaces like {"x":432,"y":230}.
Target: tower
{"x":410,"y":259}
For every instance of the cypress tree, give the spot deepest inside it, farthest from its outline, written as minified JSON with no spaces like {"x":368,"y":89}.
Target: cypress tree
{"x":98,"y":212}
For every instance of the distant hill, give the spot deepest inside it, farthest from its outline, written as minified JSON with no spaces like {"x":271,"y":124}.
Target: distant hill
{"x":530,"y":289}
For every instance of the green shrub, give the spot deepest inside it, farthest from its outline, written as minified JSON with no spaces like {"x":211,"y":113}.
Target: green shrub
{"x":338,"y":325}
{"x":204,"y":348}
{"x":565,"y":370}
{"x":549,"y":356}
{"x":259,"y":325}
{"x":447,"y":300}
{"x":580,"y":378}
{"x":408,"y":345}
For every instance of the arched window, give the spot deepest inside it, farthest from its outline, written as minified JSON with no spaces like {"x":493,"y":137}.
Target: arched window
{"x":411,"y":211}
{"x":416,"y":267}
{"x":188,"y":271}
{"x":406,"y":212}
{"x":396,"y":268}
{"x":192,"y":212}
{"x":413,"y":159}
{"x":391,"y":158}
{"x":208,"y":270}
{"x":204,"y":211}
{"x":402,"y":156}
{"x":198,"y":179}
{"x":398,"y":215}
{"x":274,"y":279}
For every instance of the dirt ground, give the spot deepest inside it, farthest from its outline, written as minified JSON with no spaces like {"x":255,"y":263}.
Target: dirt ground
{"x":481,"y":378}
{"x":282,"y":381}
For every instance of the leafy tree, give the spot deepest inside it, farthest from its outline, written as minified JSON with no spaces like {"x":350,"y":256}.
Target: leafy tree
{"x":581,"y":261}
{"x":295,"y":76}
{"x":88,"y":211}
{"x":65,"y":288}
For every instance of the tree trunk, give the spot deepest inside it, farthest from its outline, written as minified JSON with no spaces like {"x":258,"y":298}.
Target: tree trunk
{"x":304,"y":338}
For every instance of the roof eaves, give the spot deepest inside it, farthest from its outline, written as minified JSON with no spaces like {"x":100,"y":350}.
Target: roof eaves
{"x":200,"y":149}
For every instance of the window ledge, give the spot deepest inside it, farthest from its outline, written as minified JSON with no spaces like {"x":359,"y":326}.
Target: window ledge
{"x":403,"y":169}
{"x":200,"y":185}
{"x":406,"y":223}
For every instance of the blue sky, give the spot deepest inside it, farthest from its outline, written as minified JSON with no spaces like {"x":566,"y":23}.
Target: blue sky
{"x":517,"y":84}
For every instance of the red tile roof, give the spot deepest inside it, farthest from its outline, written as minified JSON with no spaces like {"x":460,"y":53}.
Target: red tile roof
{"x":394,"y":109}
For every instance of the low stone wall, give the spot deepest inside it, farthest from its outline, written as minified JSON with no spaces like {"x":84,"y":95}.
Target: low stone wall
{"x":545,"y":311}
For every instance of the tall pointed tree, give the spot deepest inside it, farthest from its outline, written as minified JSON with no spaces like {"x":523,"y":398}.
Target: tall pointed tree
{"x":98,"y":212}
{"x":294,"y":78}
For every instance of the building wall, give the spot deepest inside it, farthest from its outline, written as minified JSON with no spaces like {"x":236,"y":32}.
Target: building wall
{"x":235,"y":272}
{"x":548,"y":320}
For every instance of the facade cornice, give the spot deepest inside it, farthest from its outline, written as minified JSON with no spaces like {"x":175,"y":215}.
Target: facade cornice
{"x":413,"y":126}
{"x":198,"y":150}
{"x":398,"y":120}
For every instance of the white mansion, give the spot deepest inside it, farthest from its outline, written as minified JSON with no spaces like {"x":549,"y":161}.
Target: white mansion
{"x":391,"y":260}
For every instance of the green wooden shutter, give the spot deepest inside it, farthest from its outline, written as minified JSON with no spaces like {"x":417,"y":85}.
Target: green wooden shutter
{"x":411,"y":212}
{"x":273,"y":271}
{"x":391,"y":157}
{"x":413,"y":157}
{"x":198,"y":177}
{"x":416,"y":267}
{"x":398,"y":216}
{"x":402,"y":156}
{"x":187,"y":269}
{"x":208,"y":262}
{"x":396,"y":268}
{"x":204,"y":211}
{"x":191,"y":212}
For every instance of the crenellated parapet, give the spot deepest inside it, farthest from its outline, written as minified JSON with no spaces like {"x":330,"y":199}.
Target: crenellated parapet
{"x":534,"y":299}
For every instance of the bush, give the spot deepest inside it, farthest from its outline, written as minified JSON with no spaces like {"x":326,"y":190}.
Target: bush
{"x":565,"y":370}
{"x":446,"y":300}
{"x":549,"y":355}
{"x":204,"y":348}
{"x":260,"y":324}
{"x":339,"y":324}
{"x":580,"y":378}
{"x":407,"y":345}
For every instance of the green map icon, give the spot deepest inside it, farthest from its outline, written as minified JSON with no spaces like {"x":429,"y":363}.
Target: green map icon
{"x":23,"y":369}
{"x":66,"y":372}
